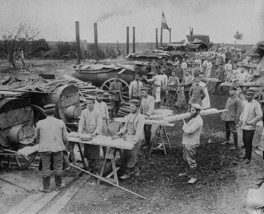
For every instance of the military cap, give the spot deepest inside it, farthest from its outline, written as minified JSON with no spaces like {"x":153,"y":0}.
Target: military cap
{"x":233,"y":88}
{"x":250,"y":91}
{"x":144,"y":89}
{"x":196,"y":106}
{"x":90,"y":98}
{"x":49,"y":106}
{"x":135,"y":102}
{"x":99,"y":91}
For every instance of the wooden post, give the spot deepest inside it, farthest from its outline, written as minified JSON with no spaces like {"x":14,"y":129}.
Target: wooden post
{"x":170,"y":36}
{"x":157,"y":38}
{"x":95,"y":42}
{"x":78,"y":48}
{"x":127,"y":40}
{"x":161,"y":35}
{"x":134,"y":40}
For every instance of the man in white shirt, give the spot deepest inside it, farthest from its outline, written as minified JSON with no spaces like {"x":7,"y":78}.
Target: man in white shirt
{"x":204,"y":66}
{"x":229,"y":71}
{"x":191,"y":140}
{"x":134,"y":88}
{"x":242,"y":75}
{"x":164,"y":80}
{"x":209,"y":67}
{"x":156,"y":88}
{"x":251,"y":114}
{"x":184,"y":65}
{"x":101,"y":106}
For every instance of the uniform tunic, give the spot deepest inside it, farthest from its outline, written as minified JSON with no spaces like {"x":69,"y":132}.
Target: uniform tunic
{"x":134,"y":89}
{"x":196,"y":94}
{"x":90,"y":123}
{"x":133,"y":128}
{"x":147,"y":105}
{"x":51,"y":134}
{"x":191,"y":139}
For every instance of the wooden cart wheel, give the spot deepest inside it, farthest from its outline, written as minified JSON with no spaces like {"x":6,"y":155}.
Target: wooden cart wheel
{"x":24,"y":162}
{"x":125,"y":87}
{"x":39,"y":113}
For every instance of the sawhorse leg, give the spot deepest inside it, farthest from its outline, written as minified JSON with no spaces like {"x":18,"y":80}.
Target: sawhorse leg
{"x":82,"y":157}
{"x":158,"y":137}
{"x":166,"y":136}
{"x":110,"y":156}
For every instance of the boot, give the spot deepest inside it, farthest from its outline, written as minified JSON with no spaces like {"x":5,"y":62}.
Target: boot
{"x":58,"y":181}
{"x":46,"y":184}
{"x":193,"y":176}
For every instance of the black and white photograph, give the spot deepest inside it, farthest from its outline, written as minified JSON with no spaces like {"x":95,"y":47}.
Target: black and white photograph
{"x":131,"y":106}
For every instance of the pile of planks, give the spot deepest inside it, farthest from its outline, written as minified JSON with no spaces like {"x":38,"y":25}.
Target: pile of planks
{"x":86,"y":90}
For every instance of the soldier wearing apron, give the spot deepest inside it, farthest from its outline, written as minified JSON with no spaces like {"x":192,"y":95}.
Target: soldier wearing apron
{"x":91,"y":123}
{"x":132,"y":131}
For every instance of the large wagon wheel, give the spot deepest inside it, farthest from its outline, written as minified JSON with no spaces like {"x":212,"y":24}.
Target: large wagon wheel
{"x":125,"y":87}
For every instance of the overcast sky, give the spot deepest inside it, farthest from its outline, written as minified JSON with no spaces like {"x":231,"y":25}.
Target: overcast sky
{"x":55,"y":19}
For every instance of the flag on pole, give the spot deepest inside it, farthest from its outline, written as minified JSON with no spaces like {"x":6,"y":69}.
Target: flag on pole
{"x":164,"y":24}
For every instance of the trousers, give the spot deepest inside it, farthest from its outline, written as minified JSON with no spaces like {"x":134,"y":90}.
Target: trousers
{"x":230,"y":127}
{"x":131,"y":156}
{"x":147,"y":132}
{"x":46,"y":162}
{"x":189,"y":155}
{"x":247,"y":140}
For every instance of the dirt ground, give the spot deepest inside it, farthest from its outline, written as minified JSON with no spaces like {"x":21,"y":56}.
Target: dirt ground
{"x":222,"y":187}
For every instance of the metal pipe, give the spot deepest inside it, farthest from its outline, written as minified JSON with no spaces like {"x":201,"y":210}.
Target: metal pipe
{"x":134,"y":40}
{"x":78,"y":48}
{"x":127,"y":40}
{"x":95,"y":42}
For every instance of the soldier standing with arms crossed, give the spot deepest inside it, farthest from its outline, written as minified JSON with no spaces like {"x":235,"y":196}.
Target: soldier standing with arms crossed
{"x":51,"y":135}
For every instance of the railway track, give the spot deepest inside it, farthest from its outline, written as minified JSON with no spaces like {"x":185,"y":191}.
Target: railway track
{"x":46,"y":203}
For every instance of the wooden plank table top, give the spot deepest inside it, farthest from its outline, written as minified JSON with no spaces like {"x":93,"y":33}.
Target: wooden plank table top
{"x":149,"y":122}
{"x":105,"y":141}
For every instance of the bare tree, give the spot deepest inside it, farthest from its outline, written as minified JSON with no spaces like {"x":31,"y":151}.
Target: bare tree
{"x":238,"y":36}
{"x":15,"y":40}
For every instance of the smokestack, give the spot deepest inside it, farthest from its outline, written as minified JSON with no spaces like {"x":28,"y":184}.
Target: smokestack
{"x":95,"y":42}
{"x":78,"y":49}
{"x":161,"y":36}
{"x":134,"y":40}
{"x":157,"y":38}
{"x":170,"y":36}
{"x":127,"y":41}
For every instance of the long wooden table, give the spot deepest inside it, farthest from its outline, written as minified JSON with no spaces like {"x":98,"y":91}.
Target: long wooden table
{"x":161,"y":133}
{"x":112,"y":148}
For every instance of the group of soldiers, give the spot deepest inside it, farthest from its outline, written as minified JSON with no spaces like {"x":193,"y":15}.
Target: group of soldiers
{"x":167,"y":77}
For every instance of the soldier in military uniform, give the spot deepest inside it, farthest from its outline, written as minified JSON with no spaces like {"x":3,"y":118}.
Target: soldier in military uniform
{"x":51,"y":135}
